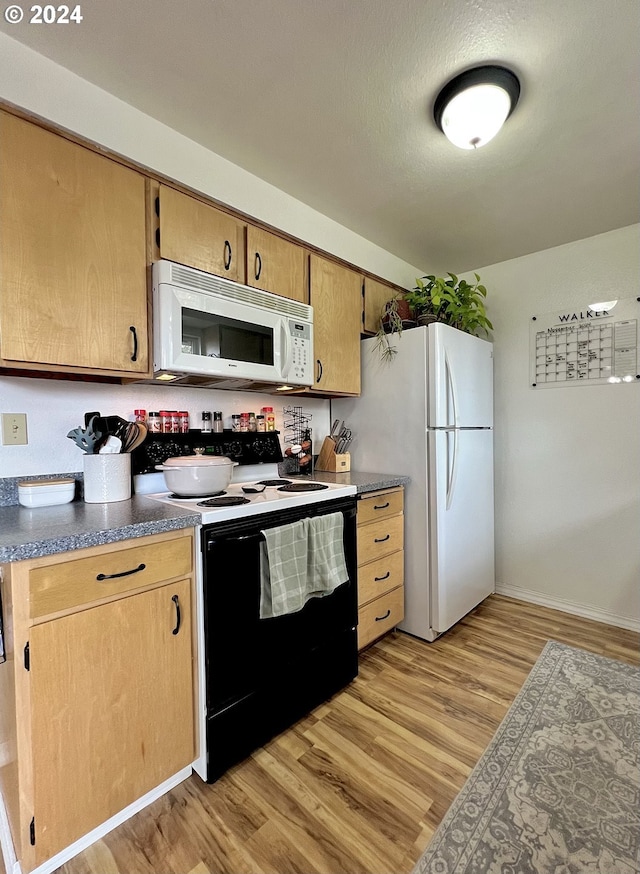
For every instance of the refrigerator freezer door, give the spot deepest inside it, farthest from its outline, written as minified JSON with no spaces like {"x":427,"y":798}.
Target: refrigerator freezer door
{"x":461,"y":546}
{"x":460,"y":379}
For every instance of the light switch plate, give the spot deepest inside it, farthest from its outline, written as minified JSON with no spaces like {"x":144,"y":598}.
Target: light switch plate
{"x":14,"y":429}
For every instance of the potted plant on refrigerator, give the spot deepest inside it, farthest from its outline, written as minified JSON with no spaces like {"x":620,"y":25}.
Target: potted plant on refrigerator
{"x":453,"y":301}
{"x":396,"y":314}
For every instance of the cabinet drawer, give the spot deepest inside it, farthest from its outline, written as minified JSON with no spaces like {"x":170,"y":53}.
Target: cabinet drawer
{"x":380,"y":616}
{"x":71,"y":583}
{"x":380,"y":506}
{"x":378,"y":577}
{"x":380,"y":538}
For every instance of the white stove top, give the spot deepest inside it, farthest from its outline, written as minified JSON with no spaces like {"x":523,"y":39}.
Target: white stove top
{"x":267,"y":501}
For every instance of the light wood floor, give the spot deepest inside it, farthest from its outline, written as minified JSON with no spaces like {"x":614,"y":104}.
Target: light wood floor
{"x":361,"y":783}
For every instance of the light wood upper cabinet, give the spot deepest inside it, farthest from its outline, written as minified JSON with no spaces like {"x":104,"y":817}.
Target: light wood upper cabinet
{"x":376,"y":294}
{"x":199,"y":235}
{"x":276,"y":265}
{"x":336,"y":298}
{"x":73,"y":282}
{"x":111,"y":713}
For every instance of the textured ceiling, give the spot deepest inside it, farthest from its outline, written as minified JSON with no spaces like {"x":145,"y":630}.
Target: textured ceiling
{"x":331,"y":102}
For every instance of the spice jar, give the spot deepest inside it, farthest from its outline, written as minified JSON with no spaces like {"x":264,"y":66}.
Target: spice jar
{"x":244,"y":422}
{"x":235,"y":422}
{"x":217,"y":422}
{"x":261,"y":422}
{"x":184,"y":421}
{"x":269,"y":418}
{"x":165,"y":421}
{"x":253,"y":425}
{"x":206,"y":422}
{"x":140,"y":416}
{"x":175,"y":422}
{"x":154,"y":422}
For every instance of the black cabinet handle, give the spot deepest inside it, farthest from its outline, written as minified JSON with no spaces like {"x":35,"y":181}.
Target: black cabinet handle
{"x":258,"y":265}
{"x":386,"y":615}
{"x":381,"y":506}
{"x":134,"y":570}
{"x":319,"y":363}
{"x":132,"y":328}
{"x":158,"y":237}
{"x":228,"y":253}
{"x":381,"y":539}
{"x":178,"y":616}
{"x":380,"y":579}
{"x":157,"y":204}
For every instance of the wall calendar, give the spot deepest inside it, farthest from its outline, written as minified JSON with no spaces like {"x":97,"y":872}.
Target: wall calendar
{"x":586,"y":347}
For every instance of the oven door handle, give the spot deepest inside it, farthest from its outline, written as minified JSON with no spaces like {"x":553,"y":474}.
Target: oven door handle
{"x":238,"y":539}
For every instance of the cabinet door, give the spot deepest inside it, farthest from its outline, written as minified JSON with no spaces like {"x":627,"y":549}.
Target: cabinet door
{"x":72,"y":254}
{"x":336,"y":298}
{"x":111,"y":710}
{"x":200,"y":236}
{"x":376,"y":295}
{"x":276,"y":265}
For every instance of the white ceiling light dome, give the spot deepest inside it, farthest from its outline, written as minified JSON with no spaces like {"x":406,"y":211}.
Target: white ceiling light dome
{"x":472,"y":107}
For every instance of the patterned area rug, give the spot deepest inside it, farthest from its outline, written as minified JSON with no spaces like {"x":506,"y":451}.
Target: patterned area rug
{"x":558,"y":789}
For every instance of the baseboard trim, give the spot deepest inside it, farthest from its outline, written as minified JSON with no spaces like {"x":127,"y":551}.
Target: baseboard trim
{"x":568,"y":607}
{"x":87,"y":840}
{"x":6,"y":841}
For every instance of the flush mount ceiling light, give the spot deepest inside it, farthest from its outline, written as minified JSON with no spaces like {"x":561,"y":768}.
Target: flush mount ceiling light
{"x":471,"y":109}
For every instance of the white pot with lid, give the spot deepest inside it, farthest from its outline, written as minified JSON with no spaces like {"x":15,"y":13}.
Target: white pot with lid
{"x":197,"y":475}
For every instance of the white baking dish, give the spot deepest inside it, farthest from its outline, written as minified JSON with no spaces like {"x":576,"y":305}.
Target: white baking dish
{"x":195,"y":475}
{"x":46,"y":492}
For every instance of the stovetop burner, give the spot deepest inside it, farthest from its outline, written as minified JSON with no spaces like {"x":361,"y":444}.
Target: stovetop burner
{"x":274,"y":482}
{"x":226,"y":501}
{"x":303,"y":487}
{"x":178,"y":497}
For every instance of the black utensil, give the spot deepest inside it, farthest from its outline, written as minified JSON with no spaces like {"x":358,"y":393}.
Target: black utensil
{"x":88,"y":417}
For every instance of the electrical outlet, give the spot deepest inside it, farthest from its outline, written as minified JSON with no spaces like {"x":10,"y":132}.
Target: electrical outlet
{"x":14,"y":429}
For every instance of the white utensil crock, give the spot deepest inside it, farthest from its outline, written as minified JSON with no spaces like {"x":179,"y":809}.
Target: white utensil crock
{"x":107,"y":478}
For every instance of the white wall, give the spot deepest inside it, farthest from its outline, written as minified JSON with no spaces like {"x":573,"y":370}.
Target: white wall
{"x":567,"y":459}
{"x":54,"y":407}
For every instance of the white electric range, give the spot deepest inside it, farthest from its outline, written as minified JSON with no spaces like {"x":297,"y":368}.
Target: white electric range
{"x":280,"y":492}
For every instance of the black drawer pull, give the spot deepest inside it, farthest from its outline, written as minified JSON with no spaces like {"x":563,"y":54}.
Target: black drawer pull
{"x":381,"y":539}
{"x":178,"y":616}
{"x":134,"y":570}
{"x":380,"y":579}
{"x":386,"y":616}
{"x":381,"y":506}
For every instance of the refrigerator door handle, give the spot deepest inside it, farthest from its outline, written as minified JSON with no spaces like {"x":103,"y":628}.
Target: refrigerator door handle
{"x":452,"y":459}
{"x":452,"y":407}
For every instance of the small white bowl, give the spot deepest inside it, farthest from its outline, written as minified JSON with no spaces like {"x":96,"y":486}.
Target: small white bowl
{"x":46,"y":492}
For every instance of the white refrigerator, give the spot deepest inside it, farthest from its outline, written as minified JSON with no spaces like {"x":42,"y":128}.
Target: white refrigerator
{"x":428,"y":413}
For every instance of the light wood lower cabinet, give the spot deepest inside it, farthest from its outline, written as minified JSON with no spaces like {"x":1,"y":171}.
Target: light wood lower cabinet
{"x":102,"y":690}
{"x":380,"y":549}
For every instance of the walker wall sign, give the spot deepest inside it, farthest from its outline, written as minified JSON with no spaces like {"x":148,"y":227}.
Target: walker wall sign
{"x":585,"y":347}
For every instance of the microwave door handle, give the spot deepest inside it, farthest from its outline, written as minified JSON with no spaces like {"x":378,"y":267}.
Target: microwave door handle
{"x":286,"y":348}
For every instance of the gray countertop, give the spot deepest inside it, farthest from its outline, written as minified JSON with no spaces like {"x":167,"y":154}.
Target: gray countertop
{"x":364,"y":482}
{"x":26,"y":533}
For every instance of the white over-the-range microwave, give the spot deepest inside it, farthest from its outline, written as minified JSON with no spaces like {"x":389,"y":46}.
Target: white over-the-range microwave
{"x":211,"y":331}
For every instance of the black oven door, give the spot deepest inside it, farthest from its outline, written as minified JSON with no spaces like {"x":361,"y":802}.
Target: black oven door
{"x":264,"y":674}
